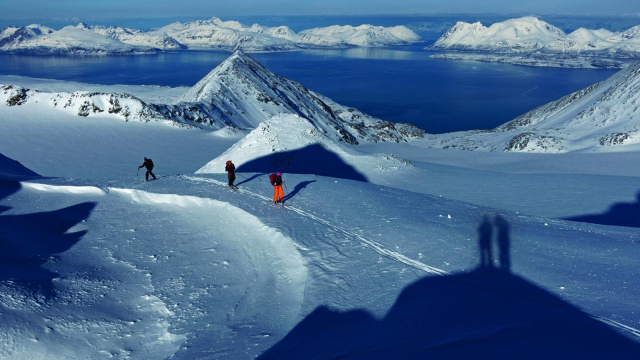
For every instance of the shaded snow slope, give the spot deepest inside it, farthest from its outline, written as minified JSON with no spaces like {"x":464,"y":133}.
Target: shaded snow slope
{"x":602,"y":118}
{"x":484,"y":314}
{"x":11,"y":169}
{"x":292,"y":144}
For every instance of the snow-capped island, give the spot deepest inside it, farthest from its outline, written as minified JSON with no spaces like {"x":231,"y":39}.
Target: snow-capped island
{"x":533,"y":42}
{"x":212,"y":34}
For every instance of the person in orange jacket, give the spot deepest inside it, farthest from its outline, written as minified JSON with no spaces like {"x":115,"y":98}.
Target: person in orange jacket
{"x":277,"y":188}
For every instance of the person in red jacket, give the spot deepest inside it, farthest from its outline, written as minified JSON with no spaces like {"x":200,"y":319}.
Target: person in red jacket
{"x":277,"y":188}
{"x":148,"y":163}
{"x":231,"y":173}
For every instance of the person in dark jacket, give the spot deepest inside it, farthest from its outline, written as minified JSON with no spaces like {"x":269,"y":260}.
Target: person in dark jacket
{"x":231,"y":173}
{"x":148,"y":163}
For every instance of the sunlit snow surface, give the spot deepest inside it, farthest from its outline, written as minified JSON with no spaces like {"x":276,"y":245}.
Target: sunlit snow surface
{"x":99,"y":264}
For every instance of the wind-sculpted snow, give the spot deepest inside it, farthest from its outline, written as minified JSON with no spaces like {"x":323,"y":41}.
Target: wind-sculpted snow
{"x":602,"y":117}
{"x":202,"y":34}
{"x":530,"y":41}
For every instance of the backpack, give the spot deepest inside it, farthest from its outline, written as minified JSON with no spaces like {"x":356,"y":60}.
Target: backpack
{"x":272,"y":179}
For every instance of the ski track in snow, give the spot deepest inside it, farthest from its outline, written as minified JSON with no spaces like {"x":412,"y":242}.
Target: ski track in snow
{"x":380,"y":249}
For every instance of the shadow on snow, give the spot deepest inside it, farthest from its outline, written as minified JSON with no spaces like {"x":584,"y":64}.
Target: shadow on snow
{"x":619,"y":214}
{"x":299,"y":187}
{"x":30,"y":240}
{"x":313,"y":159}
{"x":488,"y":313}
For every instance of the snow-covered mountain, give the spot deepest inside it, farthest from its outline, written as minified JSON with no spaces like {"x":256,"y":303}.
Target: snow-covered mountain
{"x":366,"y":35}
{"x":202,"y":34}
{"x":225,"y":35}
{"x":12,"y":35}
{"x":242,"y":92}
{"x":602,"y":117}
{"x":72,"y":40}
{"x":239,"y":93}
{"x":515,"y":35}
{"x":533,"y":37}
{"x":218,"y":34}
{"x":135,"y":37}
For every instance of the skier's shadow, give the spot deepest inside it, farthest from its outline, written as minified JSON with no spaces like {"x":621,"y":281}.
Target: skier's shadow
{"x":487,"y":313}
{"x":299,"y":187}
{"x":500,"y":226}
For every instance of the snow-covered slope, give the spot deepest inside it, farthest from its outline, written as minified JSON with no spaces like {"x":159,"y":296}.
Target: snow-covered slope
{"x":183,"y":268}
{"x":538,"y":40}
{"x":603,"y":117}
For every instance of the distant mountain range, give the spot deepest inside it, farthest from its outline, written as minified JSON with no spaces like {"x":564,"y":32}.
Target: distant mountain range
{"x":602,"y":117}
{"x":205,"y":34}
{"x":531,"y":38}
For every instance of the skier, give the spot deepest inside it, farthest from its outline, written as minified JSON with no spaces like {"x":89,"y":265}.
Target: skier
{"x":277,"y":182}
{"x":231,"y":173}
{"x":148,"y":163}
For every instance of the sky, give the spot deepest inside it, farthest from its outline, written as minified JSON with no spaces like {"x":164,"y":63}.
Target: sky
{"x":88,"y":10}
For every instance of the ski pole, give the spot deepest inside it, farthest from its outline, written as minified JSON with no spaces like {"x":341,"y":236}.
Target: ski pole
{"x":138,"y":172}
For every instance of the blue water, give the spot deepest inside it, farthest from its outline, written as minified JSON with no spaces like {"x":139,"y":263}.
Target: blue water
{"x":399,"y":84}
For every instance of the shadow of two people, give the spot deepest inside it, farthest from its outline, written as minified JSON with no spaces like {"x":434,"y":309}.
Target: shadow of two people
{"x":487,"y":313}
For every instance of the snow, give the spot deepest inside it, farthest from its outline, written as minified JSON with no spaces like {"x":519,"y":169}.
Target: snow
{"x":374,"y":253}
{"x":533,"y":42}
{"x":202,"y":34}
